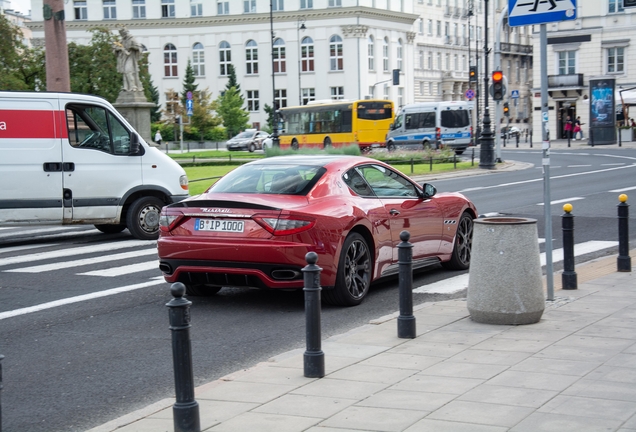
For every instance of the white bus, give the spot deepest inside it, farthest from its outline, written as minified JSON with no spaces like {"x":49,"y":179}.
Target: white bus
{"x":432,"y":125}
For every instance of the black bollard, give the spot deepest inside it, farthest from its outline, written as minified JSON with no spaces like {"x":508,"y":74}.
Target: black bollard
{"x":406,"y":320}
{"x":568,"y":278}
{"x":624,"y":261}
{"x":185,"y":411}
{"x":314,"y":358}
{"x":530,"y":138}
{"x":517,"y":136}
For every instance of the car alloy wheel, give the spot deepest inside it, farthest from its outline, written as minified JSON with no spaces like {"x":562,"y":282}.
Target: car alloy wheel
{"x":354,"y":273}
{"x":460,"y":259}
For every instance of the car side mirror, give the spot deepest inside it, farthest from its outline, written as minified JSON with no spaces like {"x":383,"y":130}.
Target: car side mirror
{"x":134,"y":144}
{"x":391,"y":126}
{"x":429,"y":190}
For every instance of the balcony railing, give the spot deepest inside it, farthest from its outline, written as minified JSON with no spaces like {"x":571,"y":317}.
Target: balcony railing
{"x":557,"y":82}
{"x":516,"y":48}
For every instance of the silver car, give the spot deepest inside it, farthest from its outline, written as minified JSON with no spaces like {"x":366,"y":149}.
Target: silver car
{"x":250,"y":139}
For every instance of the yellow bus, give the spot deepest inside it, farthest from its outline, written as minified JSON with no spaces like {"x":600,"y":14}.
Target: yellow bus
{"x":336,"y":123}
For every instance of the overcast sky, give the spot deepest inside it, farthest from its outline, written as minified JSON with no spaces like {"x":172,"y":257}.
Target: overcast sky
{"x":23,"y":6}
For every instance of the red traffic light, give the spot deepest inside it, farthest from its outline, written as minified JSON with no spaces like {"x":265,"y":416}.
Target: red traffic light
{"x":497,"y":76}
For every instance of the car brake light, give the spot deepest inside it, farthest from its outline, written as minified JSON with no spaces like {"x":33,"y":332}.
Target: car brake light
{"x":285,"y":226}
{"x":438,"y":134}
{"x":168,"y":221}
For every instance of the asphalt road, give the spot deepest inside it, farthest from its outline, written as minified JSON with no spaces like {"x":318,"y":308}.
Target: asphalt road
{"x":78,"y":365}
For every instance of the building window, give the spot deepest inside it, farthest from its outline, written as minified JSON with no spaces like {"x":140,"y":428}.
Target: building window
{"x":333,"y":3}
{"x":439,"y":89}
{"x":198,"y":59}
{"x":421,"y":58}
{"x":279,"y":56}
{"x":447,"y":62}
{"x":456,"y":62}
{"x":615,"y":6}
{"x":280,"y":96}
{"x":385,"y":55}
{"x":335,"y":53}
{"x":386,"y":92}
{"x":225,"y":57}
{"x":567,"y":62}
{"x":616,"y":60}
{"x":422,"y":86}
{"x":249,"y":6}
{"x":139,"y":9}
{"x":251,"y":57}
{"x":430,"y":60}
{"x":337,"y":93}
{"x":252,"y":100}
{"x":309,"y":94}
{"x":278,"y":5}
{"x":420,"y":26}
{"x":430,"y":28}
{"x":223,"y":8}
{"x":170,"y":61}
{"x":196,"y":8}
{"x":439,"y":61}
{"x":399,"y":54}
{"x":430,"y":88}
{"x":371,"y":53}
{"x":307,"y":54}
{"x":167,"y":8}
{"x":81,"y":11}
{"x":439,"y":29}
{"x":110,"y":10}
{"x":306,"y":4}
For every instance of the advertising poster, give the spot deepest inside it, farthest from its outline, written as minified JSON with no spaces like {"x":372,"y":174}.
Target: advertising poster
{"x":602,"y":105}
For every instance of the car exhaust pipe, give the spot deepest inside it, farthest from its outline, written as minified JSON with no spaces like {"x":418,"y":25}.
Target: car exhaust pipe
{"x":285,"y":274}
{"x":166,"y":268}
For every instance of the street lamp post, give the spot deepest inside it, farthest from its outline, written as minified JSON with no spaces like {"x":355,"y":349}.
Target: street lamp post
{"x":275,"y":141}
{"x":300,"y":26}
{"x":486,"y":151}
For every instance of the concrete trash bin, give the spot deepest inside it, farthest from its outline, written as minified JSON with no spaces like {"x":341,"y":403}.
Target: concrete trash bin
{"x":505,"y":280}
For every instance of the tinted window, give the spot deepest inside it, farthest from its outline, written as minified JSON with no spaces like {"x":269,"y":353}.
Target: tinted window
{"x":270,"y":179}
{"x":455,"y":118}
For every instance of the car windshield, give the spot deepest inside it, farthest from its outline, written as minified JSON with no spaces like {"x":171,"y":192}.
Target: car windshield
{"x":246,"y":134}
{"x":270,"y":179}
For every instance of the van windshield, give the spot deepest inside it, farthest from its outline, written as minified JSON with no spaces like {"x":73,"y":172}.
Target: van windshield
{"x":455,"y":118}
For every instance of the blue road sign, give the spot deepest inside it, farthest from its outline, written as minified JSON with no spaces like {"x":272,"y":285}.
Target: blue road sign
{"x":189,"y":104}
{"x":514,"y":94}
{"x":527,"y":12}
{"x":470,"y":93}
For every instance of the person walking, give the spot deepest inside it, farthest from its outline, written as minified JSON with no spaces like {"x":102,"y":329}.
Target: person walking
{"x":577,"y":128}
{"x":158,"y":137}
{"x":568,"y":128}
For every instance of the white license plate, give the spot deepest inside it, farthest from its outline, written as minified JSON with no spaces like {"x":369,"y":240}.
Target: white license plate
{"x":218,"y":225}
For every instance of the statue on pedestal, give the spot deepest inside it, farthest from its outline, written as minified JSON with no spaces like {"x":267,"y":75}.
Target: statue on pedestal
{"x":128,"y":53}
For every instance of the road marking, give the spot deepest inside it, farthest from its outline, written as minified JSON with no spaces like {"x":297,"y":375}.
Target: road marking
{"x":83,"y":262}
{"x":613,"y":164}
{"x":563,"y":201}
{"x":578,"y":166}
{"x":17,"y":312}
{"x":623,"y":189}
{"x":105,"y":247}
{"x":26,"y":247}
{"x":123,"y":270}
{"x":458,"y":283}
{"x":53,"y":230}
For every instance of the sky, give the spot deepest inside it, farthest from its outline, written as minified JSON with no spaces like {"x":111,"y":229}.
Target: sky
{"x":23,"y":6}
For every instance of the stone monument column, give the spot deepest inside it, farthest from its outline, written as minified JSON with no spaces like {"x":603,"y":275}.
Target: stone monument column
{"x":58,"y":77}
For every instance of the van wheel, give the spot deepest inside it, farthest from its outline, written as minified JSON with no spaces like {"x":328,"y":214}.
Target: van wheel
{"x":426,"y":145}
{"x":459,"y":151}
{"x":390,"y":146}
{"x":196,"y":290}
{"x":251,"y":148}
{"x":111,"y":229}
{"x":142,"y":219}
{"x":327,"y":143}
{"x":294,"y":144}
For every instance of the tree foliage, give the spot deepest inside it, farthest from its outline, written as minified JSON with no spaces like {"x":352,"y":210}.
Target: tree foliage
{"x":188,"y":83}
{"x":230,"y":109}
{"x":21,"y":68}
{"x":150,"y":90}
{"x":232,"y":82}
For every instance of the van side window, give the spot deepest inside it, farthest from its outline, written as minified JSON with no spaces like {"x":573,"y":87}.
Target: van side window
{"x":411,"y":121}
{"x":429,"y":120}
{"x":96,"y":128}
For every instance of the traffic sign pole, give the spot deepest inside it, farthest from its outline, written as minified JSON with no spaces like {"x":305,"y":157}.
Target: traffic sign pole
{"x":546,"y":162}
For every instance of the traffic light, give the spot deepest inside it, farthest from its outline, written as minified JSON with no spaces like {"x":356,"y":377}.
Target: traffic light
{"x":472,"y":73}
{"x":506,"y":108}
{"x":498,"y":88}
{"x":396,"y":77}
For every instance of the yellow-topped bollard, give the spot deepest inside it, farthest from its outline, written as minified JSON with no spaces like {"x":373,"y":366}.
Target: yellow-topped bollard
{"x":622,"y":198}
{"x":624,"y":261}
{"x":567,"y":208}
{"x":568,"y":277}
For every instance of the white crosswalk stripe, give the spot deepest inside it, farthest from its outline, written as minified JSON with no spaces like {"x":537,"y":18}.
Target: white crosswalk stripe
{"x":123,"y":270}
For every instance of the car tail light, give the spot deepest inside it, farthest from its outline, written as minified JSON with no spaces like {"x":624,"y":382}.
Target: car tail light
{"x":183,"y":181}
{"x":438,"y":134}
{"x":285,"y":225}
{"x":168,"y":221}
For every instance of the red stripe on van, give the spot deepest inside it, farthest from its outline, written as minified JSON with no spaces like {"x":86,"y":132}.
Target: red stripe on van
{"x":32,"y":124}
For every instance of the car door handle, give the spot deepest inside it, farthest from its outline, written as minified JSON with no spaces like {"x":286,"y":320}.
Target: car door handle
{"x":68,"y":166}
{"x":394,"y":212}
{"x":52,"y":166}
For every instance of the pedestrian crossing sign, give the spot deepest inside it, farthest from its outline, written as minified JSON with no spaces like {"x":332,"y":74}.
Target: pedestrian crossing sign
{"x":527,"y":12}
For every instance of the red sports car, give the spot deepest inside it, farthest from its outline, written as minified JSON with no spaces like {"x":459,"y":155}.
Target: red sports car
{"x":254,"y":227}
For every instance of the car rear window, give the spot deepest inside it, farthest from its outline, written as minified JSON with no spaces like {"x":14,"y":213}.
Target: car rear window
{"x":270,"y":179}
{"x":455,"y":118}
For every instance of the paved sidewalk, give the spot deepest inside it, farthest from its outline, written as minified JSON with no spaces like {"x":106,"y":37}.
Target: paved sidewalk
{"x":575,"y":370}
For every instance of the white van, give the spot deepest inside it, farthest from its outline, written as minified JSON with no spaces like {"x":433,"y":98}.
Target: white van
{"x":432,"y":124}
{"x":73,"y":159}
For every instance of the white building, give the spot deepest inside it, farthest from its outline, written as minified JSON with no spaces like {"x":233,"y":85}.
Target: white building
{"x":18,"y":19}
{"x":595,"y":45}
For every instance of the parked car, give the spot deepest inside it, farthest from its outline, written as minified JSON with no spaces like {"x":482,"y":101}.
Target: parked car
{"x":510,"y":132}
{"x":254,"y":226}
{"x":250,"y":139}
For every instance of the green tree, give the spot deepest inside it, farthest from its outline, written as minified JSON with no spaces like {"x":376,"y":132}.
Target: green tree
{"x":94,"y":66}
{"x":151,"y":92}
{"x":231,"y":82}
{"x":188,"y":83}
{"x":229,"y":106}
{"x":203,"y":120}
{"x":270,"y":117}
{"x":21,"y":68}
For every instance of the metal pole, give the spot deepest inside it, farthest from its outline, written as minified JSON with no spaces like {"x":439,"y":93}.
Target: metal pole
{"x":314,"y":358}
{"x":1,"y":357}
{"x":546,"y":162}
{"x":486,"y":153}
{"x":300,"y":25}
{"x":275,"y":141}
{"x":406,"y":320}
{"x":568,"y":277}
{"x":185,"y":411}
{"x":624,"y":261}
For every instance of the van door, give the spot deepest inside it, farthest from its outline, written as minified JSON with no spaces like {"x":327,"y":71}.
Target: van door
{"x":101,"y":168}
{"x":455,"y":127}
{"x":30,"y":160}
